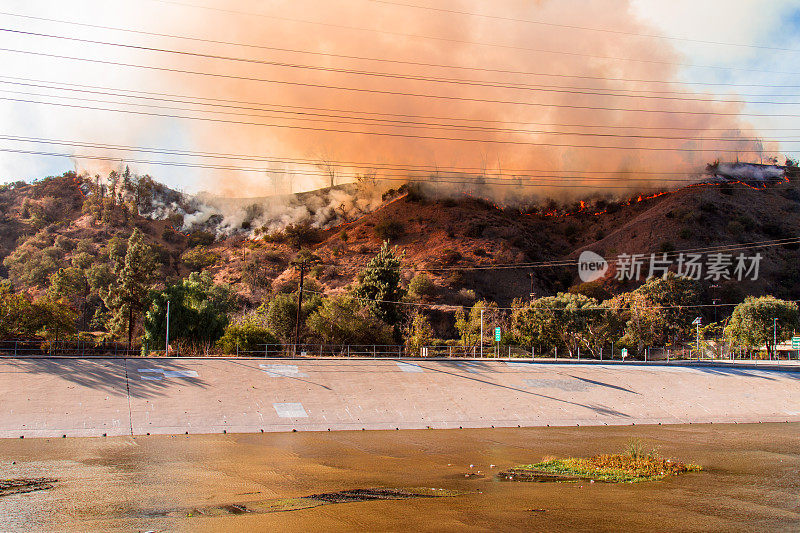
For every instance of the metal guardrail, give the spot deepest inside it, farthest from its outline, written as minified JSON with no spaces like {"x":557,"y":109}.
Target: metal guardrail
{"x":38,"y":348}
{"x":33,"y":347}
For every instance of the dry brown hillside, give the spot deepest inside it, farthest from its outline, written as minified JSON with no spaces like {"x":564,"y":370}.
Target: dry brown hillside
{"x":447,"y":238}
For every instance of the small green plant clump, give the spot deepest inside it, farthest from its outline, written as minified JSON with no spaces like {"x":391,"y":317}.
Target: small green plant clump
{"x":633,"y":466}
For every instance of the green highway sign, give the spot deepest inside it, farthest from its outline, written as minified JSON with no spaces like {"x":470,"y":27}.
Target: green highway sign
{"x":496,"y":334}
{"x":624,"y":353}
{"x":795,"y":343}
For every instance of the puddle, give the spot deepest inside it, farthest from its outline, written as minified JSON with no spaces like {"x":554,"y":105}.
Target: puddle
{"x":277,"y":505}
{"x":23,"y":485}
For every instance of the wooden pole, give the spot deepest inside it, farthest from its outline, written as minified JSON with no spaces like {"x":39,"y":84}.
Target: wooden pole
{"x":299,"y":307}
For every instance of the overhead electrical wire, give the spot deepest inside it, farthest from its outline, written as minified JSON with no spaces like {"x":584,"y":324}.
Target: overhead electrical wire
{"x":398,"y":76}
{"x":538,"y":182}
{"x":573,"y":262}
{"x":582,"y":28}
{"x":309,"y":116}
{"x":411,"y":169}
{"x":399,"y":61}
{"x":122,"y":92}
{"x":755,"y":150}
{"x":391,"y":92}
{"x":460,"y":41}
{"x":340,"y":119}
{"x":549,"y":309}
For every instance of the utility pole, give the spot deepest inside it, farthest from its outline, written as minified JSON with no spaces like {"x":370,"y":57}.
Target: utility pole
{"x":302,"y":266}
{"x":166,"y":346}
{"x":532,"y":295}
{"x":302,"y":261}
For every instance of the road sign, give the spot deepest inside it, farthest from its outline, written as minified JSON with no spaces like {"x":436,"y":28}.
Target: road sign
{"x":795,"y":343}
{"x":624,"y":353}
{"x":496,"y":334}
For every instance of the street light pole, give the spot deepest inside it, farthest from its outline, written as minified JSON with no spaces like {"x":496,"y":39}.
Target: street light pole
{"x":774,"y":336}
{"x":166,"y":346}
{"x":481,"y":333}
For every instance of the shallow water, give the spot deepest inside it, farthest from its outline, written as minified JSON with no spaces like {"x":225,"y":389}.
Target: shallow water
{"x":751,"y":480}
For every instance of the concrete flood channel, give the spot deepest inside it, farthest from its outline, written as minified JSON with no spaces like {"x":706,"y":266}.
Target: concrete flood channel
{"x":407,"y":480}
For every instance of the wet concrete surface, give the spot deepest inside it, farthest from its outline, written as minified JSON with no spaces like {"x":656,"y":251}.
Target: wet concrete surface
{"x":751,"y":480}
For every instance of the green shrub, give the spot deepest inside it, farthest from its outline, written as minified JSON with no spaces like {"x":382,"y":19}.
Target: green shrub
{"x":421,"y":286}
{"x":245,"y":336}
{"x":666,"y":247}
{"x":201,"y":238}
{"x":388,"y":230}
{"x":199,"y":258}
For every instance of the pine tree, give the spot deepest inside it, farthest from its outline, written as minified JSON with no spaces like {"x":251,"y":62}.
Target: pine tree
{"x":379,"y":285}
{"x":134,"y":273}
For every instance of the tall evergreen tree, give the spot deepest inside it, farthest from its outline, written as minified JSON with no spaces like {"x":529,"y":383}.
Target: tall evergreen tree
{"x":379,"y":285}
{"x":134,"y":273}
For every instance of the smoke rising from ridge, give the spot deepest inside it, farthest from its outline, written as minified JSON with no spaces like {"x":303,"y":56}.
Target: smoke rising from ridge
{"x":488,"y":156}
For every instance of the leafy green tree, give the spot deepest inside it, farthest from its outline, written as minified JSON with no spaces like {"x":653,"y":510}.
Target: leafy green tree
{"x":55,"y":318}
{"x":198,"y":313}
{"x":134,"y":273}
{"x":469,"y":324}
{"x":566,"y":320}
{"x":418,"y":333}
{"x":17,"y":314}
{"x":342,"y":320}
{"x":379,"y":285}
{"x":658,"y":313}
{"x":71,"y":285}
{"x":281,"y":313}
{"x":32,"y":263}
{"x":22,"y":317}
{"x":752,"y":324}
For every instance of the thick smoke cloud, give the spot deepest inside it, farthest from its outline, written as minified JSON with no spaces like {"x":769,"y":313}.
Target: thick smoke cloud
{"x":454,"y":33}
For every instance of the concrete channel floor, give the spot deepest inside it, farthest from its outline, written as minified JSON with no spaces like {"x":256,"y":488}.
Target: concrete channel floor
{"x":54,"y":397}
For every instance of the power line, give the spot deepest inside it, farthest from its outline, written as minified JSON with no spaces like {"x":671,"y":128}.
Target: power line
{"x":395,"y":76}
{"x":583,"y":28}
{"x":460,"y":41}
{"x":396,"y":135}
{"x":390,"y":92}
{"x":405,"y":62}
{"x":571,"y":310}
{"x":570,"y":262}
{"x":411,"y":169}
{"x":58,"y":86}
{"x":366,"y":121}
{"x":380,"y":122}
{"x":401,"y":178}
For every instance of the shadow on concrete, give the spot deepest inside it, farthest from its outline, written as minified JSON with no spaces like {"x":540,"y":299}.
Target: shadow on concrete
{"x":608,"y":411}
{"x":113,"y":376}
{"x":287,"y":376}
{"x":595,"y":408}
{"x":746,"y":372}
{"x":603,"y":384}
{"x":476,"y":367}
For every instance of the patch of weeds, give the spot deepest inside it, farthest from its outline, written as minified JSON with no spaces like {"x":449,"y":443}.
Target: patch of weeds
{"x":635,"y":465}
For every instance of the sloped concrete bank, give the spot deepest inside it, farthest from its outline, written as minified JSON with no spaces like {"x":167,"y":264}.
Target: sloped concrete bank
{"x":55,"y":397}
